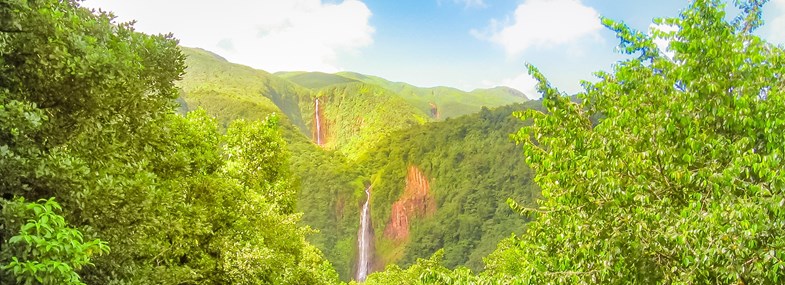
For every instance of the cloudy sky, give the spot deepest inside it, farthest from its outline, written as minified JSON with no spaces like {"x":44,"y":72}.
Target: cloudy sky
{"x":465,"y":44}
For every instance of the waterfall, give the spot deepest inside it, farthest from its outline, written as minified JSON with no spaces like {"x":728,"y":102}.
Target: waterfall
{"x":318,"y":124}
{"x":364,"y":237}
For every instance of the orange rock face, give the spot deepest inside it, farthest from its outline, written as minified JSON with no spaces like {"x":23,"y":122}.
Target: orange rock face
{"x":416,"y":202}
{"x":434,"y":110}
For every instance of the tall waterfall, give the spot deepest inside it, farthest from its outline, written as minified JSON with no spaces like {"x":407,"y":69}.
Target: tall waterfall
{"x":318,"y":124}
{"x":364,"y":238}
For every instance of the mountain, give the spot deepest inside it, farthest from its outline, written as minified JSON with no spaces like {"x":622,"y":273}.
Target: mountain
{"x":445,"y":102}
{"x":438,"y":102}
{"x":315,"y":80}
{"x":231,"y":91}
{"x":426,"y":166}
{"x":354,"y":117}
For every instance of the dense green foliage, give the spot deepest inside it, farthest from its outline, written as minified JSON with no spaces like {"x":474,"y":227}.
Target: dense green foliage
{"x":668,"y":170}
{"x":87,"y":116}
{"x":330,"y":201}
{"x":358,"y":116}
{"x":425,"y":271}
{"x":315,"y":80}
{"x":231,"y":91}
{"x":473,"y":168}
{"x":326,"y":179}
{"x":365,"y":120}
{"x":680,"y":182}
{"x":450,"y":102}
{"x":45,"y":250}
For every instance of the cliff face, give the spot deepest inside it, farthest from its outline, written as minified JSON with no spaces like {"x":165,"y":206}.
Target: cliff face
{"x":416,"y":202}
{"x":434,"y":110}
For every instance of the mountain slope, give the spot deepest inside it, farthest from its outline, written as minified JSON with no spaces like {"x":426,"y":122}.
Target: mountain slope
{"x":357,"y":116}
{"x":445,"y":185}
{"x":314,"y":80}
{"x":444,"y":102}
{"x":425,"y":175}
{"x":326,"y":181}
{"x":230,"y":91}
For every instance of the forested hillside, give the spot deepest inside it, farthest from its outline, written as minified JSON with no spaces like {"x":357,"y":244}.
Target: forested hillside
{"x":472,"y":168}
{"x":444,"y":102}
{"x":231,"y":91}
{"x":324,"y":179}
{"x":128,"y":159}
{"x":438,"y":102}
{"x":373,"y":130}
{"x":357,"y":116}
{"x":680,"y":180}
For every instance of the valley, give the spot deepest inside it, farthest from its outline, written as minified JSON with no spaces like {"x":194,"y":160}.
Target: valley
{"x":129,"y":158}
{"x":349,"y":133}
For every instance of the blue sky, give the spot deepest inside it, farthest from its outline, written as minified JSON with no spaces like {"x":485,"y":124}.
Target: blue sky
{"x":465,"y":44}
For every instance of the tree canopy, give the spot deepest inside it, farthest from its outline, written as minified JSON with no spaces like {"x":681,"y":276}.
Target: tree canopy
{"x":87,"y":116}
{"x":680,"y":181}
{"x":667,"y":170}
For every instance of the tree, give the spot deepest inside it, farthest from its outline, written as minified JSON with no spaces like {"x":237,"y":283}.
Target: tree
{"x":87,"y":116}
{"x":425,"y":271}
{"x":681,"y":179}
{"x":45,"y":250}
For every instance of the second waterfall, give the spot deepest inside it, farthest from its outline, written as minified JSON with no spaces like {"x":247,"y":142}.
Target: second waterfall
{"x":364,"y":239}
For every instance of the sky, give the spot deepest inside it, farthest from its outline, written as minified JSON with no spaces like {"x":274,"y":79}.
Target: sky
{"x":465,"y":44}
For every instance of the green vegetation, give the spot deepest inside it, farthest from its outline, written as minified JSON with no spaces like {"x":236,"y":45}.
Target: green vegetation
{"x":666,"y":171}
{"x":679,"y":182}
{"x":473,"y":168}
{"x":232,"y":91}
{"x":451,"y":102}
{"x":87,"y":116}
{"x":358,"y":116}
{"x":46,"y":250}
{"x":330,"y":195}
{"x":315,"y":80}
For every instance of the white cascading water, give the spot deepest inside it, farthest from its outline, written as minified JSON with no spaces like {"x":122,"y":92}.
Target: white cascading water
{"x":318,"y":124}
{"x":364,"y":239}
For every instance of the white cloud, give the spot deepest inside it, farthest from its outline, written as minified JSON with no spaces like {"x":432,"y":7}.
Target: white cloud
{"x":522,"y":82}
{"x":270,"y":34}
{"x":542,"y":24}
{"x":777,"y":25}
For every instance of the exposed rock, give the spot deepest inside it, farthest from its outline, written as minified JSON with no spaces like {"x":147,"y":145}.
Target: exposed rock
{"x":416,"y":202}
{"x":434,"y":110}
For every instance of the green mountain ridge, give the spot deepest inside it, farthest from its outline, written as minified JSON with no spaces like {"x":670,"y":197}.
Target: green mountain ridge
{"x":314,"y":80}
{"x":230,"y":91}
{"x":372,"y":133}
{"x":440,"y":102}
{"x":450,"y":102}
